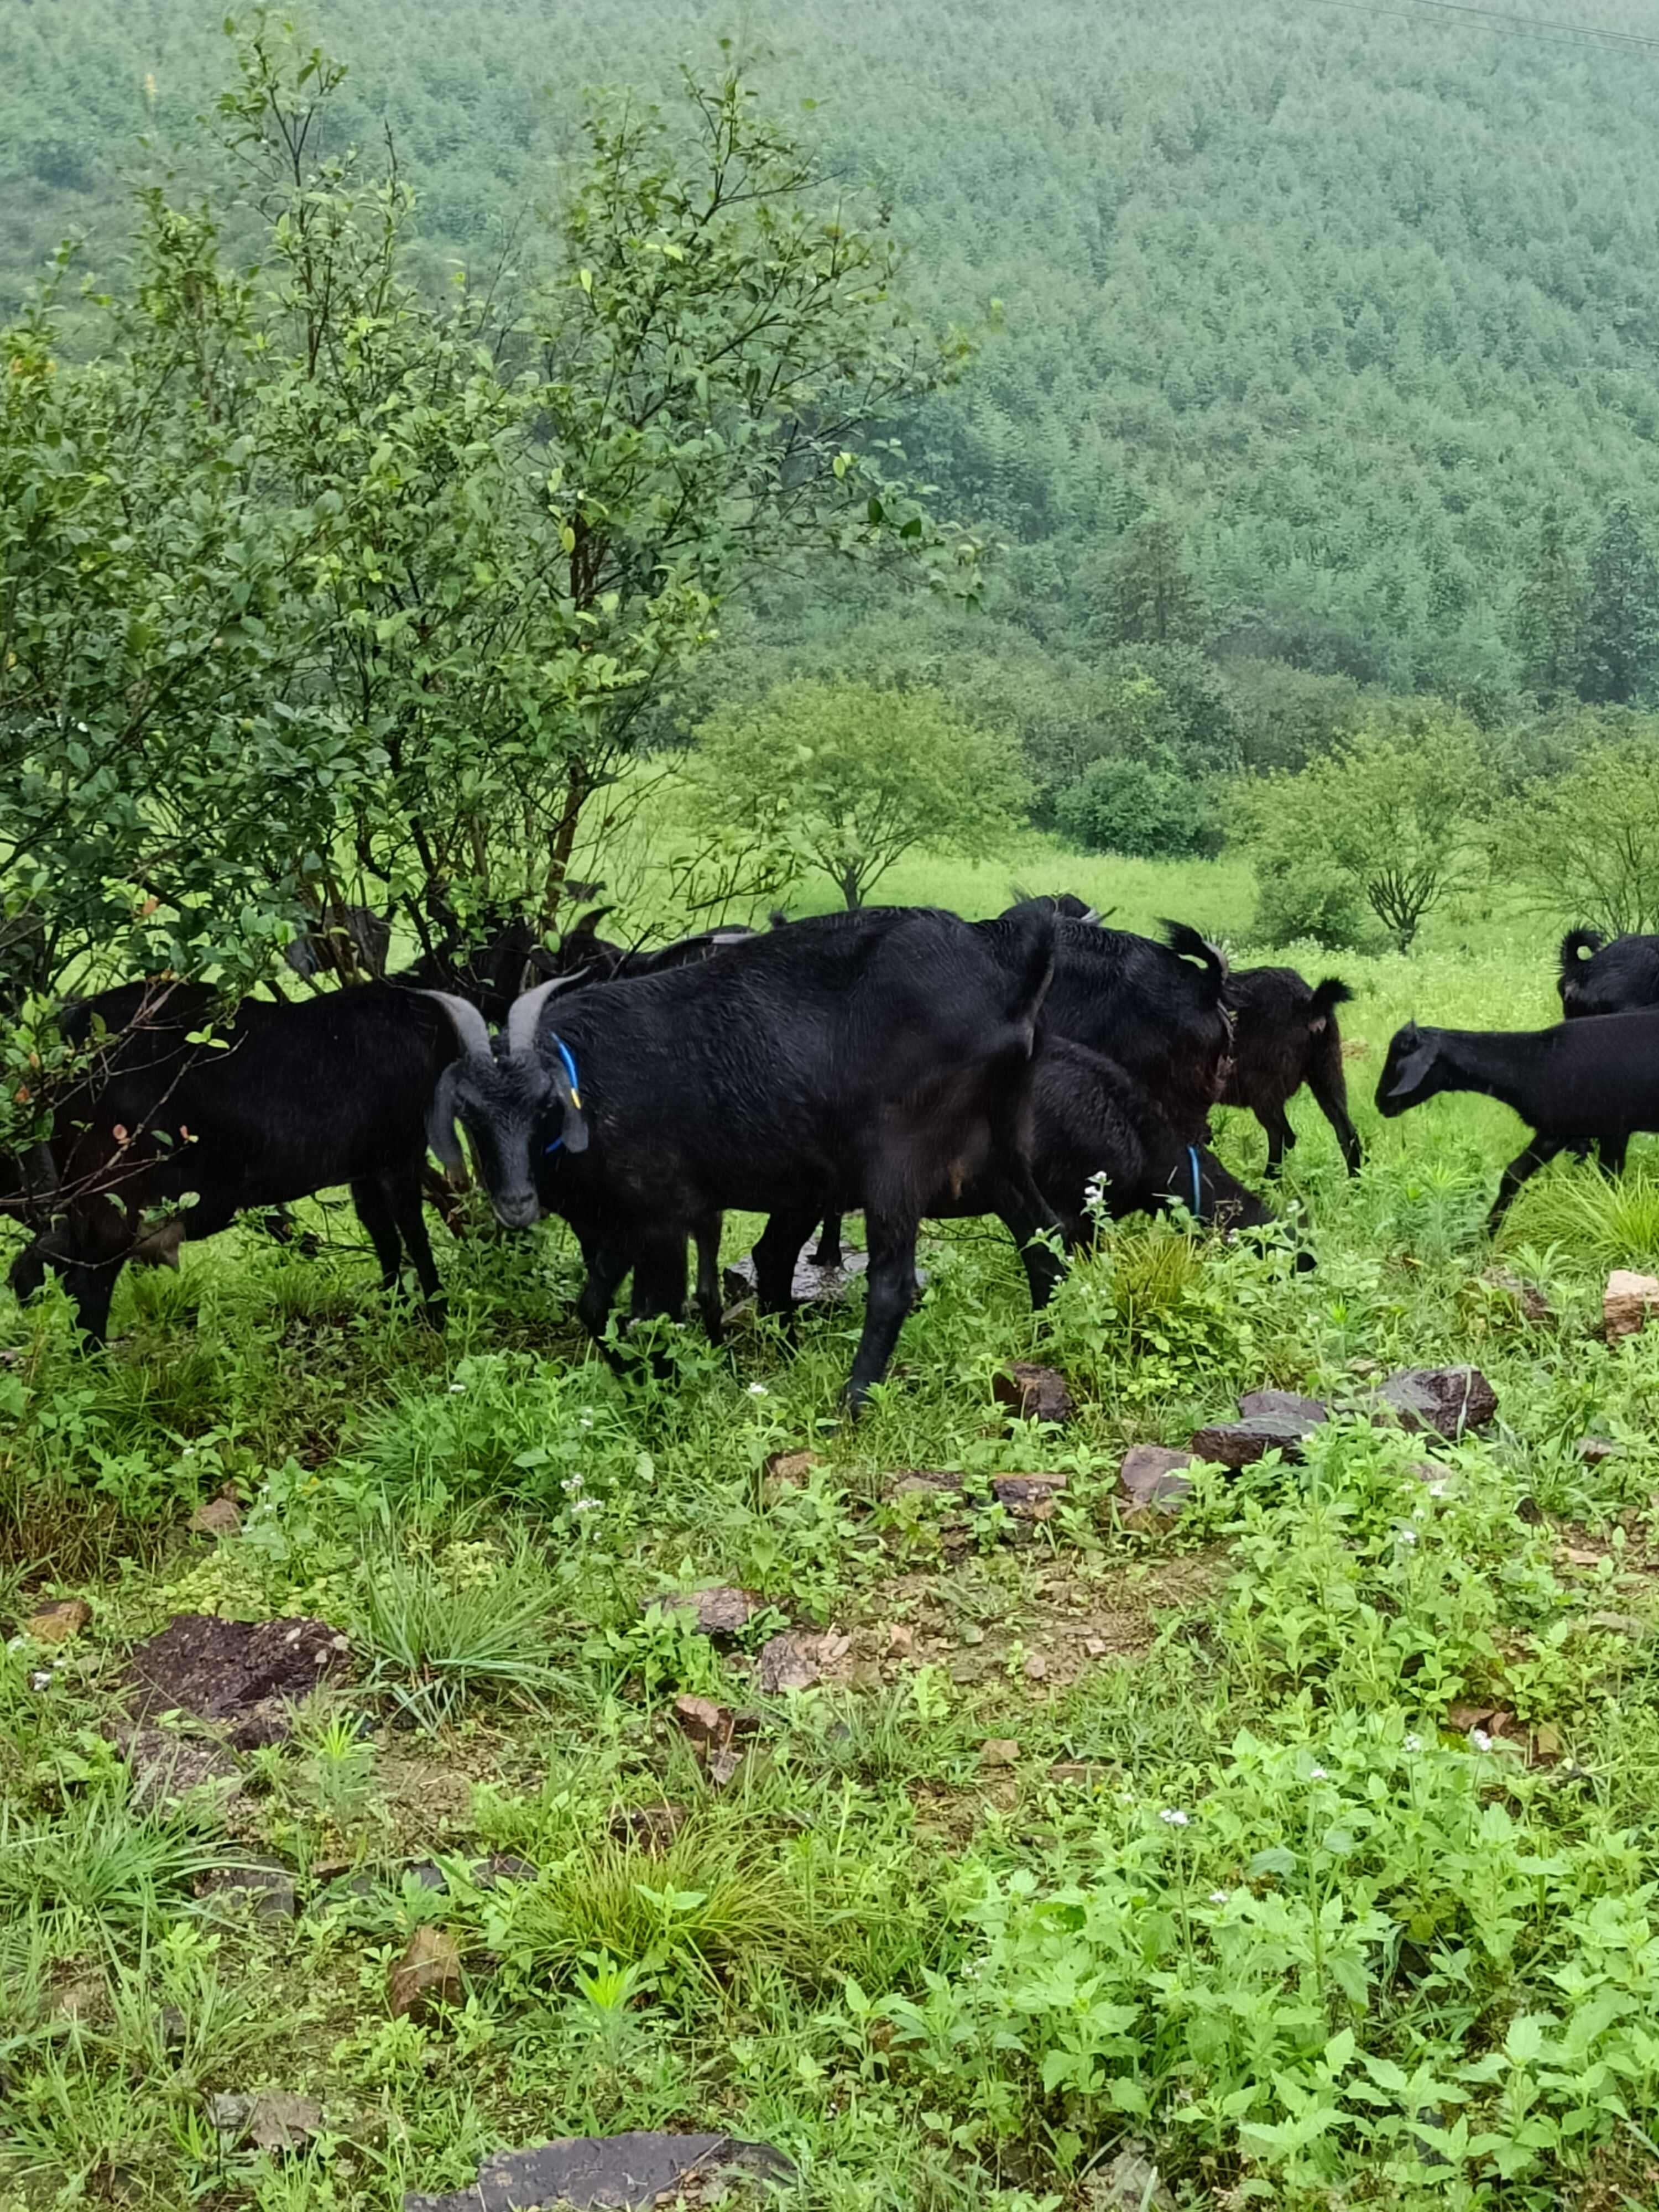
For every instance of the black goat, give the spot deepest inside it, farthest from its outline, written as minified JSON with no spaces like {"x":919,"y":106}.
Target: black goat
{"x":348,"y":941}
{"x":1596,"y":1076}
{"x":1597,"y":977}
{"x":879,"y":1059}
{"x":1139,"y":1003}
{"x":297,"y":1099}
{"x":1091,"y":1119}
{"x":581,"y":951}
{"x":1284,"y":1034}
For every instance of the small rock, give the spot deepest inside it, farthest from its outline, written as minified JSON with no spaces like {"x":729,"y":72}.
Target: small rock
{"x":1034,"y":1393}
{"x":720,"y":1614}
{"x":1628,"y":1303}
{"x":1095,"y":1646}
{"x":1078,"y":1773}
{"x":1618,"y":1624}
{"x":1364,"y":1368}
{"x":166,"y":1767}
{"x":923,"y":1482}
{"x":1446,"y":1399}
{"x":646,"y":1827}
{"x":1028,"y":1497}
{"x":1153,"y":1477}
{"x":272,"y":2119}
{"x":1527,"y":1509}
{"x":797,"y":1659}
{"x":789,"y":1470}
{"x":1130,"y":2184}
{"x":998,"y":1751}
{"x":1256,"y":1403}
{"x":220,"y":1516}
{"x":56,"y":1623}
{"x":1037,"y":1668}
{"x":630,"y":2172}
{"x":265,"y":1884}
{"x":1596,"y":1451}
{"x":1532,"y":1303}
{"x":901,"y":1641}
{"x":79,"y":1999}
{"x":1237,"y":1444}
{"x":811,"y":1286}
{"x":704,"y":1724}
{"x":428,"y":1975}
{"x":499,"y":1869}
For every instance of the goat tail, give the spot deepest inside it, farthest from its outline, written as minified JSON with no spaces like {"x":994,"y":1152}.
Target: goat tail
{"x":1182,"y":939}
{"x":1327,"y":997}
{"x":1031,"y":957}
{"x":1577,"y":945}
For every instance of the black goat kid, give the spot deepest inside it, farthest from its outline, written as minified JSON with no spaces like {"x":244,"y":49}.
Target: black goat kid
{"x":1284,"y":1034}
{"x":1597,"y":1077}
{"x":879,"y":1059}
{"x":297,"y":1099}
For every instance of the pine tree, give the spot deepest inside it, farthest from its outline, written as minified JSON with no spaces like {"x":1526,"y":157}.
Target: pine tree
{"x":1153,"y":597}
{"x":1550,"y":613}
{"x":1621,"y":622}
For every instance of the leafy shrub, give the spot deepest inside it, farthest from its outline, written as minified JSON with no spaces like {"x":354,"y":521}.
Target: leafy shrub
{"x":1306,"y":901}
{"x":1144,"y":808}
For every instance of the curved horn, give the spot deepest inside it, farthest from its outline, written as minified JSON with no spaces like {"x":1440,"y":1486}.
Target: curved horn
{"x":526,"y":1011}
{"x":471,"y":1031}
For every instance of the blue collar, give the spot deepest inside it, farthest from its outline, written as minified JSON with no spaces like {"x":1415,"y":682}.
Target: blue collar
{"x":1198,"y":1189}
{"x":569,"y":1058}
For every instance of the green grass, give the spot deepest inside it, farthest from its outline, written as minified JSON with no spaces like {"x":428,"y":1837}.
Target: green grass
{"x":1378,"y":1959}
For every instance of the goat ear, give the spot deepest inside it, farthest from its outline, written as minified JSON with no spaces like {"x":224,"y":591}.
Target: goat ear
{"x":1414,"y":1068}
{"x":440,"y":1122}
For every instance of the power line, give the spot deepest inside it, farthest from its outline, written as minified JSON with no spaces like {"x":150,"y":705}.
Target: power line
{"x":1597,"y":37}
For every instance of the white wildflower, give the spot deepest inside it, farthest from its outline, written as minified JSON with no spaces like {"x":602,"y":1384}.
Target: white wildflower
{"x":1317,"y":1774}
{"x":1173,"y":1818}
{"x":456,"y":1387}
{"x":1413,"y":1743}
{"x":1218,"y":1896}
{"x":585,"y":1505}
{"x":1480,"y":1739}
{"x":571,"y":1487}
{"x":758,"y":1390}
{"x":1408,"y":1536}
{"x":1437,"y":1490}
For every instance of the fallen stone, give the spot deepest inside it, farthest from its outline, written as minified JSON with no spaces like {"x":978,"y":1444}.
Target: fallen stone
{"x":924,"y":1482}
{"x":1628,"y":1304}
{"x":265,"y":1885}
{"x":271,"y":2119}
{"x":499,"y":1868}
{"x":1596,"y":1451}
{"x":1531,"y":1302}
{"x":220,"y":1516}
{"x":810,"y":1285}
{"x":1037,"y":1668}
{"x":1028,"y":1497}
{"x":1034,"y":1393}
{"x":1530,"y":1511}
{"x":1618,"y":1624}
{"x":719,"y":1615}
{"x":646,"y":1827}
{"x":56,"y":1623}
{"x":702,"y":1722}
{"x":901,"y":1640}
{"x":428,"y":1975}
{"x":628,"y":2172}
{"x":166,"y":1767}
{"x":1446,"y":1399}
{"x":1000,"y":1751}
{"x":1237,"y":1444}
{"x":1130,"y":2184}
{"x":1289,"y":1403}
{"x":798,"y":1659}
{"x":789,"y":1470}
{"x":246,"y":1676}
{"x":1154,"y":1477}
{"x":1096,"y":1647}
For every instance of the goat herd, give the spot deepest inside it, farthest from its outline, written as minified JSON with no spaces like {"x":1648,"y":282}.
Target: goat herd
{"x":901,"y":1062}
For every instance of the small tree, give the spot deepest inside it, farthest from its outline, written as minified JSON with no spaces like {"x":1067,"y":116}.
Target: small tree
{"x":1549,"y":614}
{"x":1146,"y":807}
{"x":1394,"y":815}
{"x":1585,"y":845}
{"x":1150,"y":595}
{"x":848,"y":778}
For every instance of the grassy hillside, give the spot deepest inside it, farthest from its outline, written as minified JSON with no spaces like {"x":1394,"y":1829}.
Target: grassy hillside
{"x":1355,"y":296}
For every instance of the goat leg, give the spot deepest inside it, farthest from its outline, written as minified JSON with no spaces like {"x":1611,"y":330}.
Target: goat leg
{"x":888,"y":1296}
{"x":1539,"y":1153}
